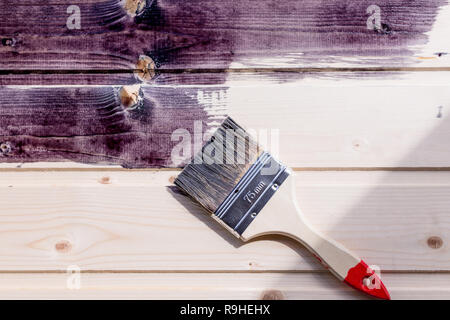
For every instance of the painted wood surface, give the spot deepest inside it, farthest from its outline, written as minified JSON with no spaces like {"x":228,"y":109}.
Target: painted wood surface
{"x":336,"y":122}
{"x":136,"y":220}
{"x":266,"y":286}
{"x":102,"y":41}
{"x":128,"y":126}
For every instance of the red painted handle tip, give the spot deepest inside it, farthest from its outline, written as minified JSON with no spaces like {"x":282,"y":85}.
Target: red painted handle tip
{"x":363,"y":278}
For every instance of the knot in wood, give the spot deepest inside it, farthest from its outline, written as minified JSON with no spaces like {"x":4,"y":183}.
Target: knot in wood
{"x":8,"y":42}
{"x":272,"y":295}
{"x":435,"y":242}
{"x":63,"y":246}
{"x":145,"y":68}
{"x":385,"y":29}
{"x":135,"y":7}
{"x":130,"y":96}
{"x":105,"y":180}
{"x":5,"y":148}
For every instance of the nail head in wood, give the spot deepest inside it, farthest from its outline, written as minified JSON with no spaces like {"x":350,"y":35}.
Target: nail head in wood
{"x":359,"y":144}
{"x":435,"y":242}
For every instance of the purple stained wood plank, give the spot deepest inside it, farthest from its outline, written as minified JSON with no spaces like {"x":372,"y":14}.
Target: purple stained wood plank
{"x":109,"y":37}
{"x":196,"y":34}
{"x":107,"y":125}
{"x":182,"y":38}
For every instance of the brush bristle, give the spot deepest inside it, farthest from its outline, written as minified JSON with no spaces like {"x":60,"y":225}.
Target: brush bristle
{"x":223,"y":160}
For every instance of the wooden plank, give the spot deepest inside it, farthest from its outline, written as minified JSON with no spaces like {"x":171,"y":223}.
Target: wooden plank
{"x":348,"y":123}
{"x":340,"y":121}
{"x":223,"y":286}
{"x":135,"y":221}
{"x":128,"y":126}
{"x":217,"y":34}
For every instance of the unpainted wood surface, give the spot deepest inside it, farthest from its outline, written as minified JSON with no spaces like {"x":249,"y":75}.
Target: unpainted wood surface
{"x":267,"y":286}
{"x":348,"y":123}
{"x":135,"y":220}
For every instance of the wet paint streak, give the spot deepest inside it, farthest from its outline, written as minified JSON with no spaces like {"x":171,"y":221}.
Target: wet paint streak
{"x":89,"y":125}
{"x":335,"y":33}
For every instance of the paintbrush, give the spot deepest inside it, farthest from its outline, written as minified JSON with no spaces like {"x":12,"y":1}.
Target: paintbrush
{"x":251,"y":194}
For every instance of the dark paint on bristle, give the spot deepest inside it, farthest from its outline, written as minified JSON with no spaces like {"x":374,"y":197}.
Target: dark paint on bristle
{"x":217,"y":168}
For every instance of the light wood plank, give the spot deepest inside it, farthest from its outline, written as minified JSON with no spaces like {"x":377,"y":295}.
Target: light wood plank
{"x":224,"y":286}
{"x":132,"y":221}
{"x":349,"y":123}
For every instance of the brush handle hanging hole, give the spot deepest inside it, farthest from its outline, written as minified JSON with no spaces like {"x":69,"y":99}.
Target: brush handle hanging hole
{"x":275,"y":186}
{"x":253,"y":215}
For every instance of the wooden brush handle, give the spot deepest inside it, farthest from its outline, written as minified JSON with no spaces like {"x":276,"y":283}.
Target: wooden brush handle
{"x":281,"y":215}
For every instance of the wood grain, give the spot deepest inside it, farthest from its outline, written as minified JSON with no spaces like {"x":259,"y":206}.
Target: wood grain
{"x":339,"y":121}
{"x":99,"y":124}
{"x":180,"y":35}
{"x":342,"y":95}
{"x":349,"y":123}
{"x":133,"y":220}
{"x":268,"y":286}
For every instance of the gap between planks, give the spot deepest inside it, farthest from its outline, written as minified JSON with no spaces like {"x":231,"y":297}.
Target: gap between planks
{"x":175,"y":170}
{"x":211,"y":286}
{"x":225,"y":70}
{"x":131,"y":271}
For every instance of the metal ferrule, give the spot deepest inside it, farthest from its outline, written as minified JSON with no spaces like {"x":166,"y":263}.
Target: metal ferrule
{"x":252,"y":192}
